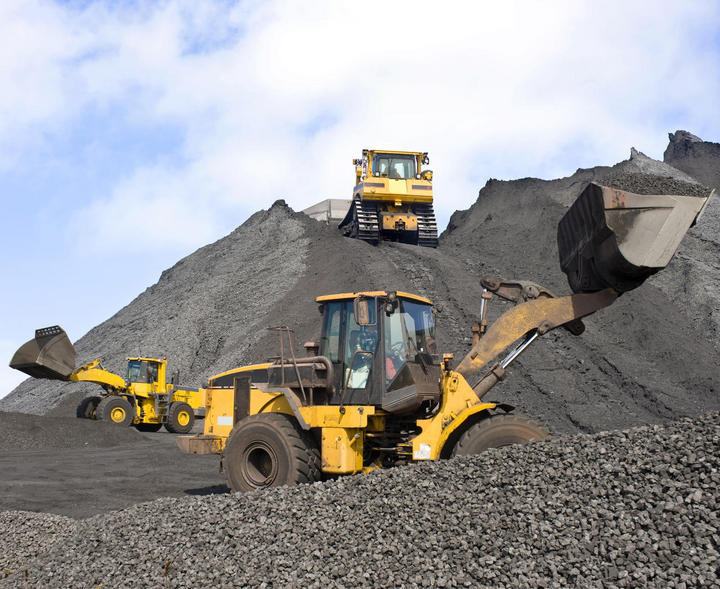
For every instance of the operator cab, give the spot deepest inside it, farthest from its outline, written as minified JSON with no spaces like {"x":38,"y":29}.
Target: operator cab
{"x":143,"y":370}
{"x":383,"y":350}
{"x":394,"y":165}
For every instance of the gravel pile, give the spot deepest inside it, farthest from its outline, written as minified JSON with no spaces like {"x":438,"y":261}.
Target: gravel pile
{"x":651,"y":357}
{"x":25,"y":535}
{"x":20,"y":431}
{"x":637,"y":508}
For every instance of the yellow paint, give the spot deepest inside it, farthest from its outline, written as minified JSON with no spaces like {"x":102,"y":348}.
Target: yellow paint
{"x":248,"y":368}
{"x":370,"y":293}
{"x":459,"y":402}
{"x":341,"y":449}
{"x":390,"y":221}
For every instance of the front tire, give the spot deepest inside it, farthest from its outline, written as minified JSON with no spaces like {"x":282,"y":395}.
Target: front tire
{"x":180,"y":418}
{"x":269,"y":450}
{"x":499,"y":431}
{"x":115,"y":409}
{"x":87,"y":407}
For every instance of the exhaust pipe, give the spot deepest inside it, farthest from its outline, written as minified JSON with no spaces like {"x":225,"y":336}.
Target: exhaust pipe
{"x":617,"y":239}
{"x":50,"y":355}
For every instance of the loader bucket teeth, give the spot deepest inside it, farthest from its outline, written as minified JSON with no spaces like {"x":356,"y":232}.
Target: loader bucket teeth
{"x":617,"y":239}
{"x":49,"y":355}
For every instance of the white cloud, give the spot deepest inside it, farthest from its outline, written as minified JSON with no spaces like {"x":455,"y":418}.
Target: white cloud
{"x":489,"y":89}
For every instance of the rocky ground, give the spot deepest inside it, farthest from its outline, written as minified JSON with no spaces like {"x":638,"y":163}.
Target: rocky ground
{"x":636,"y":508}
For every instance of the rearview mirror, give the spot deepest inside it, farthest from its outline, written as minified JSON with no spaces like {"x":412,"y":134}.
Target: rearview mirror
{"x":362,"y":311}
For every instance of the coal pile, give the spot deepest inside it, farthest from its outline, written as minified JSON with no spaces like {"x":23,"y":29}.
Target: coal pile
{"x":649,"y":358}
{"x":636,"y":508}
{"x":20,"y":431}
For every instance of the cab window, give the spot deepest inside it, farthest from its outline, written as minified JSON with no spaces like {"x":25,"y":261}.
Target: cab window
{"x":394,"y":165}
{"x":330,"y":341}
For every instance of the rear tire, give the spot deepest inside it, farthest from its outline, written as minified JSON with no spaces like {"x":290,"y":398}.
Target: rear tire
{"x":499,"y":431}
{"x":269,"y":450}
{"x":115,"y":409}
{"x":148,"y":427}
{"x":87,"y":407}
{"x":180,"y":418}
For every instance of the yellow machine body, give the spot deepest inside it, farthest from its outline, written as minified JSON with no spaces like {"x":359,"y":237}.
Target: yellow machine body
{"x":50,"y":354}
{"x":392,"y":198}
{"x":386,"y":185}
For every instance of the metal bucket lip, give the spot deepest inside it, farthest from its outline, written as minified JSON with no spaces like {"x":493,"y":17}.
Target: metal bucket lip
{"x":49,"y":355}
{"x":610,"y":237}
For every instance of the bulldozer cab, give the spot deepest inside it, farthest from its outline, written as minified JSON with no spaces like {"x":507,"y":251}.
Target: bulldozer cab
{"x":394,"y":165}
{"x":382,"y":347}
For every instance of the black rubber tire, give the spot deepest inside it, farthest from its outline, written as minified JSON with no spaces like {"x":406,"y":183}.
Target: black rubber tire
{"x":148,"y":427}
{"x":180,"y":418}
{"x":269,"y":450}
{"x":86,"y":408}
{"x":499,"y":431}
{"x":115,"y":409}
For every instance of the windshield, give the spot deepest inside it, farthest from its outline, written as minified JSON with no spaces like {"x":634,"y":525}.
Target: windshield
{"x":409,"y":329}
{"x":142,"y":371}
{"x":394,"y":165}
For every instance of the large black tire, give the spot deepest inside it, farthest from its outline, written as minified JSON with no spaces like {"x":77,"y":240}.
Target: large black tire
{"x":148,"y":427}
{"x":269,"y":450}
{"x":499,"y":431}
{"x":87,"y":407}
{"x":115,"y":409}
{"x":180,"y":418}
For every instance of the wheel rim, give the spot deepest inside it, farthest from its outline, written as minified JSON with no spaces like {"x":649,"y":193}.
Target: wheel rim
{"x":260,"y":465}
{"x":183,"y":418}
{"x":118,"y":414}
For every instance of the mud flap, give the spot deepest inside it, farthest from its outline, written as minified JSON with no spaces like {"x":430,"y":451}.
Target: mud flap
{"x":617,"y":239}
{"x":50,"y":355}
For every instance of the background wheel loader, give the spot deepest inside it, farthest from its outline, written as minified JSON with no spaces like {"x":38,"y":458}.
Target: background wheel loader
{"x":145,"y":399}
{"x":375,"y":392}
{"x":392,"y":199}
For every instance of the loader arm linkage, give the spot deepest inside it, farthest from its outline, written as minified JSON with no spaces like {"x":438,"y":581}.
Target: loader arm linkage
{"x":537,"y":312}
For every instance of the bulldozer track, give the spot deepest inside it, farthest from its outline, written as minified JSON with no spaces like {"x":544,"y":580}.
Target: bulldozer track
{"x":427,"y":226}
{"x":368,"y":228}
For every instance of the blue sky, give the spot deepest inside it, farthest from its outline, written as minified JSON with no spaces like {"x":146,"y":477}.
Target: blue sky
{"x":132,"y":133}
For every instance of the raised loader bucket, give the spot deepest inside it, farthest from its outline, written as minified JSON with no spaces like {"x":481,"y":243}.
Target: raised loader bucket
{"x":613,"y":238}
{"x":50,"y":355}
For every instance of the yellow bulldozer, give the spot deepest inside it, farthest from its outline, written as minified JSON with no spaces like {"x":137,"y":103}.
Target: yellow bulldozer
{"x":392,"y":199}
{"x":375,"y":391}
{"x":144,"y":399}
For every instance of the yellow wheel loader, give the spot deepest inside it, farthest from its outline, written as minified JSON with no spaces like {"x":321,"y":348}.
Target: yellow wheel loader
{"x":145,"y":399}
{"x":375,"y":391}
{"x":392,"y":199}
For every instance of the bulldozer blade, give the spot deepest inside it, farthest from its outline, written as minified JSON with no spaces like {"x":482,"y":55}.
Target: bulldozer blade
{"x":49,"y":355}
{"x":610,"y":238}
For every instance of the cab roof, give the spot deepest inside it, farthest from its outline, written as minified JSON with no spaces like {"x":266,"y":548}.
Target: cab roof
{"x":371,"y":293}
{"x":394,"y":151}
{"x":160,"y":360}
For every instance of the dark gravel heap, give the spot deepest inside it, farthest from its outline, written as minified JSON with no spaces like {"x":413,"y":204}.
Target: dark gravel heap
{"x":638,"y":508}
{"x":20,"y":431}
{"x":641,"y":183}
{"x":651,"y":357}
{"x":26,"y":534}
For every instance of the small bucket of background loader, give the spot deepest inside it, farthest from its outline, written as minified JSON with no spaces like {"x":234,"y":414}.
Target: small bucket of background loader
{"x":617,"y":239}
{"x":50,"y":355}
